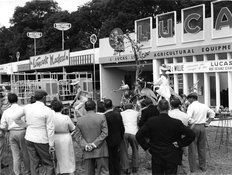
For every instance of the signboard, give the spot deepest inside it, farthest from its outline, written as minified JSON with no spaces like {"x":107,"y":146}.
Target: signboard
{"x":199,"y":67}
{"x":23,"y":67}
{"x":34,"y":35}
{"x":221,"y":16}
{"x":3,"y":69}
{"x":93,"y":38}
{"x":56,"y":59}
{"x":143,"y":31}
{"x":207,"y":49}
{"x":116,"y":40}
{"x":62,"y":26}
{"x":166,"y":29}
{"x":193,"y":20}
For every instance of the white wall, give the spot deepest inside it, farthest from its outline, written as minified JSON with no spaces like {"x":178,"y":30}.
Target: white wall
{"x":87,"y":52}
{"x":111,"y":79}
{"x":107,"y":51}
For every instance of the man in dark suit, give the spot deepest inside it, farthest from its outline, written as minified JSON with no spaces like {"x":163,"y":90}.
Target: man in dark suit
{"x":165,"y":140}
{"x":91,"y":132}
{"x":115,"y":136}
{"x":149,"y":111}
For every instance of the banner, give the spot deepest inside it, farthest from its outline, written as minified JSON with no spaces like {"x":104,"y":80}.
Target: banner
{"x":200,"y":67}
{"x":166,"y":29}
{"x":143,"y":30}
{"x":56,"y":59}
{"x":221,"y":16}
{"x":193,"y":20}
{"x":181,"y":52}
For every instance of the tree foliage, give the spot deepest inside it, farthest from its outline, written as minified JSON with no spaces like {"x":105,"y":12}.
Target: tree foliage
{"x":98,"y":17}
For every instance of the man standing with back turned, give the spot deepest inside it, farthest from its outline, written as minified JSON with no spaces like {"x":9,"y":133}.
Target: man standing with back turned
{"x":16,"y":137}
{"x":91,"y":131}
{"x":198,"y":112}
{"x":116,"y":132}
{"x":165,"y":140}
{"x":40,"y":133}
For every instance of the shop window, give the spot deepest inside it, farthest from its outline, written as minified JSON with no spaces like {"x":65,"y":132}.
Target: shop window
{"x":199,"y":58}
{"x":230,"y":54}
{"x":222,"y":56}
{"x":161,"y":61}
{"x":212,"y":90}
{"x":210,"y":57}
{"x":180,"y":83}
{"x":179,"y":59}
{"x":224,"y":89}
{"x":189,"y":59}
{"x":169,"y":60}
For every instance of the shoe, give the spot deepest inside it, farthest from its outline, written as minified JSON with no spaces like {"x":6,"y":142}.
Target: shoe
{"x":4,"y":166}
{"x":134,"y":169}
{"x":127,"y":171}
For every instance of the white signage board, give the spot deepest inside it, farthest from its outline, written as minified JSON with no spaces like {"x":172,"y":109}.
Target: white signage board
{"x":199,"y":67}
{"x":56,"y":59}
{"x":62,"y":26}
{"x":3,"y":68}
{"x":34,"y":35}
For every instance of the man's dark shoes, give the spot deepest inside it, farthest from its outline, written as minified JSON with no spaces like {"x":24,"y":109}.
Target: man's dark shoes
{"x":4,"y":166}
{"x":134,"y":169}
{"x":127,"y":171}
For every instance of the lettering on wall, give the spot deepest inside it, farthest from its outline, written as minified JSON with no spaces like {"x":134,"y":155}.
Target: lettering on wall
{"x":200,"y":67}
{"x":221,"y":13}
{"x":143,"y":31}
{"x":56,"y":59}
{"x":166,"y":28}
{"x":193,"y":23}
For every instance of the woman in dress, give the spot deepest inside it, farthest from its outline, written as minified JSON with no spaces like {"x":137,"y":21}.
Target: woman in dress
{"x":78,"y":101}
{"x":163,"y":84}
{"x":63,"y":140}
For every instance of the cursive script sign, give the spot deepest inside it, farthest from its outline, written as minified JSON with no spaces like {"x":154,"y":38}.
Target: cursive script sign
{"x":56,"y":59}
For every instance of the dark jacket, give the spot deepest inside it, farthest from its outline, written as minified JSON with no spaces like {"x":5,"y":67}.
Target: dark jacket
{"x":115,"y":128}
{"x":162,"y":131}
{"x":150,"y":111}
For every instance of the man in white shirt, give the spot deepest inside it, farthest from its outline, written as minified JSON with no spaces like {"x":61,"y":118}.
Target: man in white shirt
{"x":130,"y":120}
{"x":40,"y":133}
{"x":179,"y":115}
{"x":198,"y":113}
{"x":16,"y":137}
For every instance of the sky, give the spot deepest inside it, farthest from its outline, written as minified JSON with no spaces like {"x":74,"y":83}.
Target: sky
{"x":7,"y":8}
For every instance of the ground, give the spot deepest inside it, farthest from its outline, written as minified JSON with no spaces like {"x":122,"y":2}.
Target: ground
{"x":219,"y":155}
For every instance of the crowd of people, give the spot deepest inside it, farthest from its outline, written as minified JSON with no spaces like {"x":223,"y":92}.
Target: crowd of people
{"x":42,"y":136}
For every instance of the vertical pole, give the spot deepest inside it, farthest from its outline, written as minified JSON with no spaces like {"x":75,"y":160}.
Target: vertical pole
{"x":35,"y":46}
{"x":62,"y":39}
{"x":94,"y":75}
{"x":63,"y":69}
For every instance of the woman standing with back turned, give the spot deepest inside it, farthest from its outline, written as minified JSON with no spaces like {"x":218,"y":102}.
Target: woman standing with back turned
{"x":63,"y":140}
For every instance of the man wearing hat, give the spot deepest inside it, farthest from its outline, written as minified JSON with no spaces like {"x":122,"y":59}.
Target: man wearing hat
{"x":198,"y":113}
{"x":40,"y":132}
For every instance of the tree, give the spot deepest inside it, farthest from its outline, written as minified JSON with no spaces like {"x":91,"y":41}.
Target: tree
{"x":29,"y":18}
{"x":98,"y":17}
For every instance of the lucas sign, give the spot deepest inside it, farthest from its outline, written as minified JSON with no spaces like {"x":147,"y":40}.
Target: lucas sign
{"x":221,"y":15}
{"x":193,"y":21}
{"x":56,"y":59}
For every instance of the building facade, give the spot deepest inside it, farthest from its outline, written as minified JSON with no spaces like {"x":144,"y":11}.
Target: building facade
{"x":200,"y":60}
